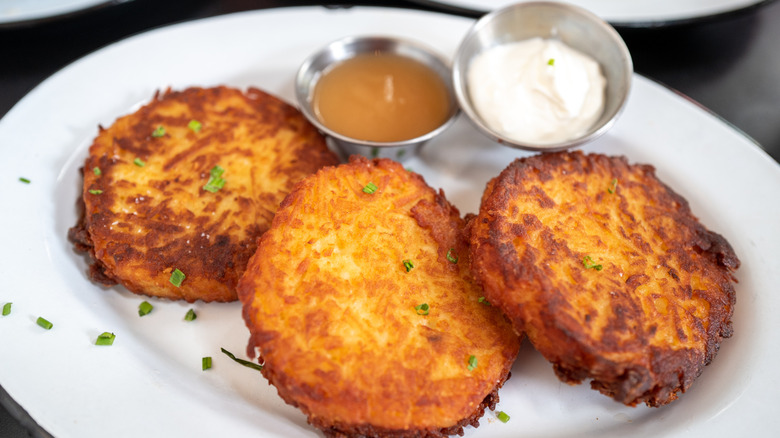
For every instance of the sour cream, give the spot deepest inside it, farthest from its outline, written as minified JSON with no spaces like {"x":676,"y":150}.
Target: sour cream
{"x":537,"y":91}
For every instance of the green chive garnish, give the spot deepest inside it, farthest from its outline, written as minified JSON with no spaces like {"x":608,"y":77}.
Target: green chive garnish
{"x":205,"y":363}
{"x":95,"y":191}
{"x":158,"y":132}
{"x":96,"y":171}
{"x":551,"y":61}
{"x":472,"y":362}
{"x":214,"y":186}
{"x":190,"y":316}
{"x":451,"y":257}
{"x":502,"y":416}
{"x":105,"y":338}
{"x":177,"y":277}
{"x":217,"y":171}
{"x":243,"y":362}
{"x":145,"y":308}
{"x":484,"y":301}
{"x":44,"y":323}
{"x":215,"y":179}
{"x":612,"y":186}
{"x":370,"y":188}
{"x":374,"y":152}
{"x":6,"y":309}
{"x":422,"y":309}
{"x":24,"y":180}
{"x":400,"y":153}
{"x":408,"y":265}
{"x":590,"y":264}
{"x":195,"y":125}
{"x":139,"y":162}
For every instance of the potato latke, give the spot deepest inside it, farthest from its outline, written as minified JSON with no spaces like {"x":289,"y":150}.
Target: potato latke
{"x":362,"y":306}
{"x":189,"y":182}
{"x":607,"y":271}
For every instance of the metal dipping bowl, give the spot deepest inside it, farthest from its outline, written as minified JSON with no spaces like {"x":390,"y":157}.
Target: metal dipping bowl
{"x":569,"y":24}
{"x":318,"y":63}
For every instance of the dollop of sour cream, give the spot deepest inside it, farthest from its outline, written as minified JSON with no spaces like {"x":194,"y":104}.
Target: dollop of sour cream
{"x":537,"y":91}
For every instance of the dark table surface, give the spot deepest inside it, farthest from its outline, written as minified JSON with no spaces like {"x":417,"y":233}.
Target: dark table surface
{"x":729,"y":64}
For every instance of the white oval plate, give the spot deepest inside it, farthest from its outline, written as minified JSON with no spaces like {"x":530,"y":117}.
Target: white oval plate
{"x":16,"y":12}
{"x":150,"y":383}
{"x":631,"y":13}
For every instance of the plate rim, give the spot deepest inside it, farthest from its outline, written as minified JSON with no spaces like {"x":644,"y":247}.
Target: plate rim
{"x":53,"y":16}
{"x":459,"y":8}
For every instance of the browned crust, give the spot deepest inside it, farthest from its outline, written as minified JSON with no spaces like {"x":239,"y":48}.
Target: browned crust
{"x":149,"y":220}
{"x":642,"y":328}
{"x":331,"y":309}
{"x":344,"y":430}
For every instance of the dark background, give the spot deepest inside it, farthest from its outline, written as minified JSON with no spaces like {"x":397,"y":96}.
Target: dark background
{"x":729,"y":64}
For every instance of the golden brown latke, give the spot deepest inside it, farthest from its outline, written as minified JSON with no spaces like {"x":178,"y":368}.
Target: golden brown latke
{"x":607,"y":271}
{"x":330,"y":299}
{"x":147,"y":212}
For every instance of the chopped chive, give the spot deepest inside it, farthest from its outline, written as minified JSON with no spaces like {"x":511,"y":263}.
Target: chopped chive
{"x":613,"y":186}
{"x":400,"y":153}
{"x":44,"y":323}
{"x":215,"y":181}
{"x":6,"y":309}
{"x":195,"y":125}
{"x":24,"y":180}
{"x":214,"y":185}
{"x":422,"y":309}
{"x":551,"y":61}
{"x":95,"y":191}
{"x":139,"y":162}
{"x":159,"y":131}
{"x":374,"y":152}
{"x":96,"y":171}
{"x":145,"y":308}
{"x":243,"y":362}
{"x":452,"y":258}
{"x":205,"y":363}
{"x":502,"y":416}
{"x":370,"y":188}
{"x":216,"y":171}
{"x":590,"y":264}
{"x":105,"y":338}
{"x":408,"y":265}
{"x":191,"y":315}
{"x":484,"y":301}
{"x":177,"y":277}
{"x":472,"y":362}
